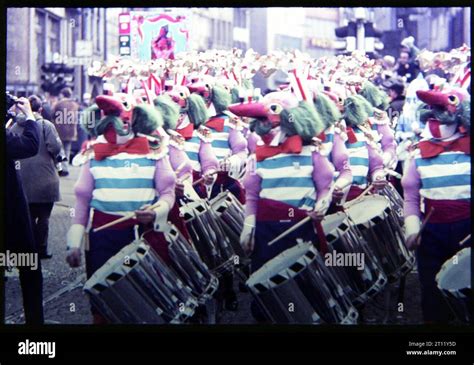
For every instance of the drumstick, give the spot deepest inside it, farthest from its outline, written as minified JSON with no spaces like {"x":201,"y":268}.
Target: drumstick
{"x":289,"y":230}
{"x":202,"y":178}
{"x":467,"y":238}
{"x":300,"y":223}
{"x":393,"y":173}
{"x":423,"y":224}
{"x":349,"y":203}
{"x":124,"y":218}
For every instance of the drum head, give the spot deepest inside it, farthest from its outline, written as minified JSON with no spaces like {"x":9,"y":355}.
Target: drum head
{"x":331,"y":222}
{"x":455,"y":276}
{"x":367,"y":208}
{"x":278,"y":266}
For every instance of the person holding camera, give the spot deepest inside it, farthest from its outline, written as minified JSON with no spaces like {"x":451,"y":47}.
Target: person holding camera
{"x":19,"y":234}
{"x":40,"y":177}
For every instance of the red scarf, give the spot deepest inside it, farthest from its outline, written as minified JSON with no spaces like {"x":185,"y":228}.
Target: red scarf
{"x":351,"y":137}
{"x":136,"y":146}
{"x":432,"y":148}
{"x":186,"y":132}
{"x":293,"y":144}
{"x":216,"y":123}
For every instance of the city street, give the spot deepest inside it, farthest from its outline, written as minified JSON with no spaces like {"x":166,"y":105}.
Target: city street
{"x":65,"y":303}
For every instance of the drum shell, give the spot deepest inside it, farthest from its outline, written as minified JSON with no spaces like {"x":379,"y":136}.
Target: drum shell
{"x":136,"y":286}
{"x":457,"y":293}
{"x":207,"y":234}
{"x":190,"y":268}
{"x":385,"y":238}
{"x":304,"y":292}
{"x":231,"y":215}
{"x":344,"y":238}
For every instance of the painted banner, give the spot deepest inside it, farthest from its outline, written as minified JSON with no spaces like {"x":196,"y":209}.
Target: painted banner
{"x":157,"y":35}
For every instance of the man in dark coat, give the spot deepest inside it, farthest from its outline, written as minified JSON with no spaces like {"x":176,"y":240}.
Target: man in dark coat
{"x":65,"y":119}
{"x":19,"y":235}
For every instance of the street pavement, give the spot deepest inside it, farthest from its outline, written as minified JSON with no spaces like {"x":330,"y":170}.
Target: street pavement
{"x":67,"y":304}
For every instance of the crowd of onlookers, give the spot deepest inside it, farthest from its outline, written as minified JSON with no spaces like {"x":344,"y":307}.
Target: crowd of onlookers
{"x":42,"y":137}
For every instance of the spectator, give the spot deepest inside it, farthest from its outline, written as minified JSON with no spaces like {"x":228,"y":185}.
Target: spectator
{"x":19,"y":234}
{"x":39,"y":176}
{"x":46,"y":110}
{"x":65,"y":118}
{"x":395,"y":90}
{"x":406,"y":68}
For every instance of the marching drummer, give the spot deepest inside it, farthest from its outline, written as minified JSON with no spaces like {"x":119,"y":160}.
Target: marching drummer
{"x":197,"y":138}
{"x":122,"y":176}
{"x":289,"y":178}
{"x":365,"y":156}
{"x":332,"y":143}
{"x":228,"y":141}
{"x":198,"y":141}
{"x":438,"y":174}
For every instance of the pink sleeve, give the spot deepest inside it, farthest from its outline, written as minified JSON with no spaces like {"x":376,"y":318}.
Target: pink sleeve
{"x":165,"y":181}
{"x":238,"y":144}
{"x":177,"y":157}
{"x":411,"y":183}
{"x":252,"y":141}
{"x":340,"y":158}
{"x":388,"y":139}
{"x":83,"y":190}
{"x":375,"y":160}
{"x":207,"y":157}
{"x":323,"y":173}
{"x":252,"y":184}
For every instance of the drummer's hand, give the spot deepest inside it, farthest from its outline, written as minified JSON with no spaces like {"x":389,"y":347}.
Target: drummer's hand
{"x":379,"y":183}
{"x":316,"y":215}
{"x":208,"y":178}
{"x":413,"y":242}
{"x":73,"y":257}
{"x":145,"y":216}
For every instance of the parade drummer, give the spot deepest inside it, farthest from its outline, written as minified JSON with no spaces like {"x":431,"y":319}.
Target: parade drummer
{"x":228,"y":141}
{"x":198,"y":146}
{"x":287,"y":178}
{"x":380,"y":122}
{"x":122,"y":175}
{"x":365,"y":156}
{"x":197,"y":138}
{"x":332,"y":143}
{"x":438,"y":175}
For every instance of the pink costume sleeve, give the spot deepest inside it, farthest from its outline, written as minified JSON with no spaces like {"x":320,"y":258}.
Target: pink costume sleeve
{"x":83,"y":190}
{"x":411,"y":183}
{"x":375,"y":161}
{"x":323,"y":173}
{"x":340,"y":158}
{"x":177,"y":157}
{"x":388,"y":139}
{"x":238,"y":144}
{"x":165,"y":181}
{"x":252,"y":141}
{"x":252,"y":184}
{"x":207,"y":157}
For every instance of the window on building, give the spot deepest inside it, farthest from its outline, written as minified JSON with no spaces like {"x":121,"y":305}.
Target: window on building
{"x":54,"y":35}
{"x":40,"y":19}
{"x":240,"y":18}
{"x":98,"y":32}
